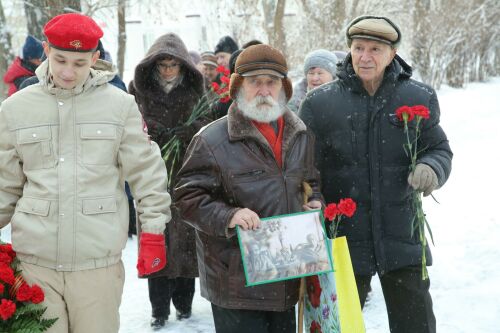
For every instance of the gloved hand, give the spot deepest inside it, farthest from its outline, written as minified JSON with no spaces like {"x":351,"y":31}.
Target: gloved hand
{"x":184,"y":133}
{"x":423,"y":179}
{"x":152,"y":253}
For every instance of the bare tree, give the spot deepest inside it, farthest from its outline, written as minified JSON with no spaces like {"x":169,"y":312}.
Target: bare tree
{"x":6,"y":55}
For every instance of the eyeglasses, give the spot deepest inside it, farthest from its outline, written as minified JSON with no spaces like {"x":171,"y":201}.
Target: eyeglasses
{"x":166,"y":66}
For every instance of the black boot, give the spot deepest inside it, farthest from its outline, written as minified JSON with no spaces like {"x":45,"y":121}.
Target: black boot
{"x":158,"y":322}
{"x":183,"y":315}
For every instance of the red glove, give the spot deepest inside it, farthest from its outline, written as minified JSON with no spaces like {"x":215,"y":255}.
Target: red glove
{"x":152,"y":254}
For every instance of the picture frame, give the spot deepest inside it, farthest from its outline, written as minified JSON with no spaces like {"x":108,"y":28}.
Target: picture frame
{"x":285,"y":247}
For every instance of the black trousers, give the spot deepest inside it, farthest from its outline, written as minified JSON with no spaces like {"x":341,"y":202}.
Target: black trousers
{"x":251,"y":321}
{"x":407,"y":299}
{"x":163,"y":289}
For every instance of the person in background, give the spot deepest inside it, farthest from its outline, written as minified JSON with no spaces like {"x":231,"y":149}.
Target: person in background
{"x":196,"y":59}
{"x":220,"y":108}
{"x":66,"y":145}
{"x":319,"y":68}
{"x":259,"y":148}
{"x":167,"y":86}
{"x":359,"y":145}
{"x":223,"y":50}
{"x":25,"y":65}
{"x":209,"y":68}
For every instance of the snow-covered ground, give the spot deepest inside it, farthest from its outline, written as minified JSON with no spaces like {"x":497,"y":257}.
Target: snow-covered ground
{"x":465,"y":226}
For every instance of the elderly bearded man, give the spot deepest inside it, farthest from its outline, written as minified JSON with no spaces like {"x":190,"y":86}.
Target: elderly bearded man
{"x":360,"y":155}
{"x":244,"y":166}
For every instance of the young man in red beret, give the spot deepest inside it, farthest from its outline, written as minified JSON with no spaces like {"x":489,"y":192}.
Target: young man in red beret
{"x":66,"y":146}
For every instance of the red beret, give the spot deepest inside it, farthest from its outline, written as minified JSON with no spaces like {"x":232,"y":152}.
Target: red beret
{"x":73,"y":32}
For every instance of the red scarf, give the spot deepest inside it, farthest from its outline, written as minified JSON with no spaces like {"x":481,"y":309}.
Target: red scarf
{"x":274,"y":141}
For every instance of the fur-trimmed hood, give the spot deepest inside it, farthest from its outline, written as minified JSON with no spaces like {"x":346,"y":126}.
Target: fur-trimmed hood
{"x":166,"y":45}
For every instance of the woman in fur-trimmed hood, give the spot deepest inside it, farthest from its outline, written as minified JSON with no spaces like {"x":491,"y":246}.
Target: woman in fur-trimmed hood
{"x":167,"y":86}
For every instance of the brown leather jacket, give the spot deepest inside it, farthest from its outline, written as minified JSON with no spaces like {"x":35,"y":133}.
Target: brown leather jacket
{"x":230,"y":165}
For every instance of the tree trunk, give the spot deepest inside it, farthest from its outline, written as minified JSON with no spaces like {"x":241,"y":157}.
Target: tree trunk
{"x":36,"y":17}
{"x":279,"y":29}
{"x":420,"y":52}
{"x":122,"y":37}
{"x":39,"y":12}
{"x":6,"y":55}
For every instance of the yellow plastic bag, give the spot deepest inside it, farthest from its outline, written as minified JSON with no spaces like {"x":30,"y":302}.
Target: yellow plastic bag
{"x":351,"y":318}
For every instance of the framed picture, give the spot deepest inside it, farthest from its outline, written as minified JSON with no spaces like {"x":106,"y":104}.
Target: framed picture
{"x":285,"y":247}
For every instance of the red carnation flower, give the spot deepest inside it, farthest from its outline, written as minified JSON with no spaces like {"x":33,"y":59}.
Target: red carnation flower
{"x":315,"y":327}
{"x":2,"y":288}
{"x":6,"y":274}
{"x":227,"y":72}
{"x":24,"y":293}
{"x":422,"y":111}
{"x":7,"y":309}
{"x":7,"y":248}
{"x":215,"y":86}
{"x":37,"y":295}
{"x":347,"y":207}
{"x":5,"y":258}
{"x":313,"y":290}
{"x":221,"y":69}
{"x":331,"y":211}
{"x":224,"y":79}
{"x":225,"y":99}
{"x":405,"y":112}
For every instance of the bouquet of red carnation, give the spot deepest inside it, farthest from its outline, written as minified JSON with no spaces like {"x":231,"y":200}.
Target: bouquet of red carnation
{"x":172,"y":149}
{"x":20,"y":308}
{"x":335,"y":211}
{"x":407,"y":114}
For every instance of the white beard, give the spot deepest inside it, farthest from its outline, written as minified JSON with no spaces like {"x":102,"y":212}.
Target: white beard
{"x":262,"y":109}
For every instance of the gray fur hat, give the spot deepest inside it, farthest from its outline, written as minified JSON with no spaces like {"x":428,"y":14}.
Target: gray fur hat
{"x":321,"y":58}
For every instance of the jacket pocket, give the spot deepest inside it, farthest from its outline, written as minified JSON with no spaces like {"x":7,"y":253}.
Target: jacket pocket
{"x":35,"y":145}
{"x":98,"y":144}
{"x":33,"y":206}
{"x":99,"y":206}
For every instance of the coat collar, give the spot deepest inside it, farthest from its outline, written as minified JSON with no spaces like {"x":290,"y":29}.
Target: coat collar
{"x":241,"y":128}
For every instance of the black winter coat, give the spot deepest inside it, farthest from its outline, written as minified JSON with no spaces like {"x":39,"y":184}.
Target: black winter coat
{"x":359,"y":149}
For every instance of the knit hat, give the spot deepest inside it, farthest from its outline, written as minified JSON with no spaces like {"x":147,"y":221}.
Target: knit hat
{"x":260,"y":60}
{"x":226,"y":44}
{"x":321,"y":58}
{"x":32,"y":48}
{"x":208,"y":58}
{"x":377,"y":28}
{"x":73,"y":32}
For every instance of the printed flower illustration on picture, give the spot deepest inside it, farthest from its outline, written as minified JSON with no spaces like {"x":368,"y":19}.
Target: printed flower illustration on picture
{"x":313,"y":290}
{"x":407,"y":114}
{"x":315,"y":328}
{"x":20,"y":308}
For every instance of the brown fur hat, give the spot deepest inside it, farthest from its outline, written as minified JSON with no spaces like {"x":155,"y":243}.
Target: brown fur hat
{"x":260,"y":60}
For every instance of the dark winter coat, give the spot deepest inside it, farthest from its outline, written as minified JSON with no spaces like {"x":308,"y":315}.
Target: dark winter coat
{"x":162,"y":112}
{"x":229,"y":164}
{"x":359,"y":144}
{"x":17,"y":72}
